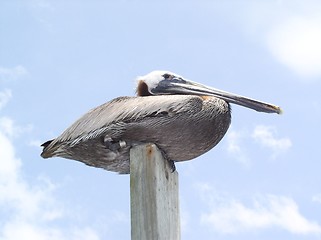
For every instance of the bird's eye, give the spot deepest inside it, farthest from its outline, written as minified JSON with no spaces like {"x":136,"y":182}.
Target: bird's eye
{"x":168,"y":76}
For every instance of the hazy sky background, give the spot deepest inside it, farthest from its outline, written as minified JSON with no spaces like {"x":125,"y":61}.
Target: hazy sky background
{"x":58,"y":59}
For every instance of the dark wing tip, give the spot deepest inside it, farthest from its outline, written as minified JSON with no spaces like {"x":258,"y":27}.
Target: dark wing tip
{"x":45,"y":153}
{"x":45,"y":144}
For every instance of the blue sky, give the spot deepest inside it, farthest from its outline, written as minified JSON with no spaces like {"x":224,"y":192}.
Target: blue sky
{"x":58,"y":59}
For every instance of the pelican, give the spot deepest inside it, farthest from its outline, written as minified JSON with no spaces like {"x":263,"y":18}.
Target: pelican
{"x":183,"y":118}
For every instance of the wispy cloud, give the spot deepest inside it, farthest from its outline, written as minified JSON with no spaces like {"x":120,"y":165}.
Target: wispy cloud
{"x":266,"y":136}
{"x":5,"y":96}
{"x":32,"y":210}
{"x":9,"y":128}
{"x":296,"y":43}
{"x":35,"y":143}
{"x":317,"y":198}
{"x":234,"y":139}
{"x":26,"y":230}
{"x":8,"y":74}
{"x":290,"y":30}
{"x":227,"y":215}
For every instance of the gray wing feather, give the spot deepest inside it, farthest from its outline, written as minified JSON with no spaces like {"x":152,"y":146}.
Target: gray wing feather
{"x":123,"y":110}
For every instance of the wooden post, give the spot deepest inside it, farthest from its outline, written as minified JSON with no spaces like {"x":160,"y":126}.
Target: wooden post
{"x":153,"y":195}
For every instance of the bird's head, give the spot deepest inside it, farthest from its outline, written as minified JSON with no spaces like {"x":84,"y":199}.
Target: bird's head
{"x":166,"y":83}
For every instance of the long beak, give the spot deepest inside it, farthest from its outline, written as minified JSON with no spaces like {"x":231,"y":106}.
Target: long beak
{"x":182,"y":86}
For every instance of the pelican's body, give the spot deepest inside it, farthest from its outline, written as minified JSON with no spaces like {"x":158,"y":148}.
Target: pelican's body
{"x":182,"y":126}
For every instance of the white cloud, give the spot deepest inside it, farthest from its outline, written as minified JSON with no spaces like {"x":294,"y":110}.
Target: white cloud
{"x":295,"y":42}
{"x":261,"y":134}
{"x":24,"y":230}
{"x":9,"y":128}
{"x":234,"y":139}
{"x":265,"y":135}
{"x":9,"y":163}
{"x":35,"y":143}
{"x":317,"y":198}
{"x":120,"y":217}
{"x":5,"y":96}
{"x":8,"y":74}
{"x":29,"y":211}
{"x":32,"y":209}
{"x":231,"y":216}
{"x":290,"y":30}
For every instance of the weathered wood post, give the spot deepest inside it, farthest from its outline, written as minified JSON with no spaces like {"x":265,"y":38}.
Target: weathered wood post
{"x":154,"y":198}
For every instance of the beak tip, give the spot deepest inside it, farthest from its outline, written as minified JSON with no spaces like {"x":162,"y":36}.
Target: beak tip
{"x":279,"y":110}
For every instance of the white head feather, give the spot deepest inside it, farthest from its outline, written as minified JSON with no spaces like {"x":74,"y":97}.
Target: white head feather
{"x":153,"y":78}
